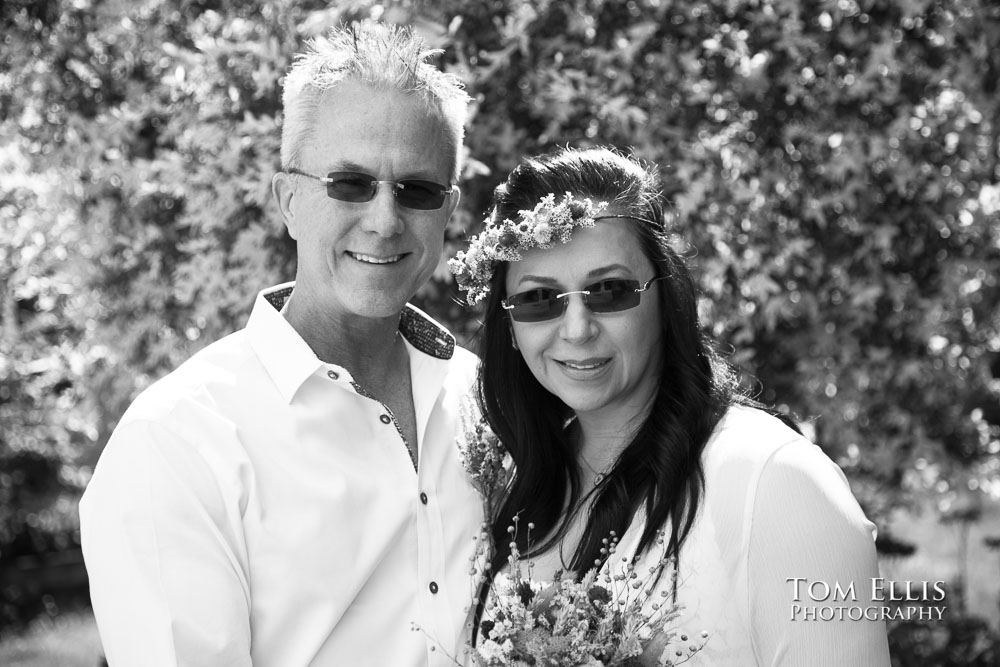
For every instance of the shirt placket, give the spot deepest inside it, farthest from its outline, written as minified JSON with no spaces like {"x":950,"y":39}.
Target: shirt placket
{"x":387,"y":417}
{"x":436,"y":573}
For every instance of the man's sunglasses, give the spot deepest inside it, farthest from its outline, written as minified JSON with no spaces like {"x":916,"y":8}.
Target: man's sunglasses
{"x":544,"y":303}
{"x":353,"y":186}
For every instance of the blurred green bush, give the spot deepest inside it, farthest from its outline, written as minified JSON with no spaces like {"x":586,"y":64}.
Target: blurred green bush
{"x":834,"y":167}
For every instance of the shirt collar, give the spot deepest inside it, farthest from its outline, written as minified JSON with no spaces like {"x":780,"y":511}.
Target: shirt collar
{"x":289,"y":360}
{"x":425,"y":334}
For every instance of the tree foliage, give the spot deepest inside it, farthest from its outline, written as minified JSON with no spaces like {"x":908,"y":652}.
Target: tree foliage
{"x":834,"y":167}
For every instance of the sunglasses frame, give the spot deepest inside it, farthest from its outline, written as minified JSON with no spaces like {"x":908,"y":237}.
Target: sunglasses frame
{"x":446,"y":191}
{"x":556,"y":314}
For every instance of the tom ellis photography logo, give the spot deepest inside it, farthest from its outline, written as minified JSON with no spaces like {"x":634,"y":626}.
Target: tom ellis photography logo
{"x":875,"y":600}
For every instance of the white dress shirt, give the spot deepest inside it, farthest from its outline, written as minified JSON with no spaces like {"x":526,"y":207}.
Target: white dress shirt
{"x":256,"y":507}
{"x":775,"y":507}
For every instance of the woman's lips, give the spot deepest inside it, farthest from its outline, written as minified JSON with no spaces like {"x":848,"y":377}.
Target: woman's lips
{"x":583,"y":364}
{"x":583,"y":369}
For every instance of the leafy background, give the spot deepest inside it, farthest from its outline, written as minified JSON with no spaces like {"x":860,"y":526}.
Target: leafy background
{"x":835,"y":167}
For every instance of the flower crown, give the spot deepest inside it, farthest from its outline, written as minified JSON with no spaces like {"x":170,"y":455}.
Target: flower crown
{"x":550,"y":222}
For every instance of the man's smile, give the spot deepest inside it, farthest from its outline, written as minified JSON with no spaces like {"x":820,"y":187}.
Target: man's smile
{"x":375,"y":259}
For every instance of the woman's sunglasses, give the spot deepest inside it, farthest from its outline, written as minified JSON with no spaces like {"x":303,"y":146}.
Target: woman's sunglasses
{"x":544,"y":303}
{"x":353,"y":186}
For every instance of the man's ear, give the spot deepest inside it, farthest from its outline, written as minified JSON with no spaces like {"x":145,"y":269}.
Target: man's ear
{"x":283,"y":188}
{"x":453,"y":200}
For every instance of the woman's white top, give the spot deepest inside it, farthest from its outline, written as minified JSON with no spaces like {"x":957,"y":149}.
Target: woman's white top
{"x":777,"y":527}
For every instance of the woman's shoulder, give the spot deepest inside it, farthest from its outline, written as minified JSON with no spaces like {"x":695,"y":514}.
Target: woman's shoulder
{"x":750,"y":445}
{"x":749,"y":442}
{"x":751,"y":434}
{"x":759,"y":472}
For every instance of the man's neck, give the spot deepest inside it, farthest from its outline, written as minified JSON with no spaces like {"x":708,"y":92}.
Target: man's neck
{"x":370,"y":348}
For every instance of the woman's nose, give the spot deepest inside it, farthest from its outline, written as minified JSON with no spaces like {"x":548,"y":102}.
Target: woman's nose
{"x":578,"y":324}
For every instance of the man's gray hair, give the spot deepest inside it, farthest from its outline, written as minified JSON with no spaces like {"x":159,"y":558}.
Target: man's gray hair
{"x":381,"y":56}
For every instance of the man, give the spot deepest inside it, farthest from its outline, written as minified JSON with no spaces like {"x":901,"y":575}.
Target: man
{"x":292,"y":495}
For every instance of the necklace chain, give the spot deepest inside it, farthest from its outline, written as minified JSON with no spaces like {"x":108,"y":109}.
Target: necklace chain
{"x":598,"y":476}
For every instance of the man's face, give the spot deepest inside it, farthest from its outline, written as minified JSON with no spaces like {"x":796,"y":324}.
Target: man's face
{"x":367,"y":259}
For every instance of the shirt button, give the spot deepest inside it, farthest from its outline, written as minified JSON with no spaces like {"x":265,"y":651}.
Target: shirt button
{"x":433,"y":587}
{"x":423,"y":498}
{"x":385,"y":419}
{"x":333,"y":375}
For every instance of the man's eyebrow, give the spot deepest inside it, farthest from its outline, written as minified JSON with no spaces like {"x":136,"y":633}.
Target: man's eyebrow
{"x":341,"y":165}
{"x":347,"y":165}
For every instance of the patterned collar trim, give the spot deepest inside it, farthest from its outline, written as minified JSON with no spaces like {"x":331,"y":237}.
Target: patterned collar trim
{"x":425,"y":334}
{"x":417,"y":327}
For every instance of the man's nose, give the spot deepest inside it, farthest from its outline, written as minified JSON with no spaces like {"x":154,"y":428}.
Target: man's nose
{"x":382,"y":216}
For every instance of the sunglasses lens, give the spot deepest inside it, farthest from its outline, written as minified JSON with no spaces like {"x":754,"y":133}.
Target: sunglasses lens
{"x":420,"y":195}
{"x":356,"y":187}
{"x":607,"y":296}
{"x":611,"y":296}
{"x":535,"y":305}
{"x":350,"y":186}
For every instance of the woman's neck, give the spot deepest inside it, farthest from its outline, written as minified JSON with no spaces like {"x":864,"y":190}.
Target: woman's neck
{"x":602,"y":437}
{"x":605,"y":432}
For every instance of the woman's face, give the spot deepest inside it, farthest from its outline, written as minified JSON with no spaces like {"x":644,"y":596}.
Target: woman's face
{"x":600,"y":364}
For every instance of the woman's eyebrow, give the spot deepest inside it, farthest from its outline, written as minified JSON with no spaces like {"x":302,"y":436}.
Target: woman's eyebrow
{"x":542,"y":280}
{"x":550,"y":281}
{"x":607,"y":269}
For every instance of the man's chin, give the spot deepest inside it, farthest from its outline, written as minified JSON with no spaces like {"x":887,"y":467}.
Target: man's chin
{"x":376,"y":304}
{"x":350,"y":304}
{"x":366,"y":294}
{"x":380,"y":311}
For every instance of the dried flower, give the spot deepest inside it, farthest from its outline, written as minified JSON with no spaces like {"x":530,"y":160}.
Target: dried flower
{"x":482,"y":454}
{"x":600,"y":619}
{"x":549,"y":222}
{"x":610,"y":616}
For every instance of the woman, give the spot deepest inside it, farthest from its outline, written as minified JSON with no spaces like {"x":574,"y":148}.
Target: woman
{"x":619,"y":417}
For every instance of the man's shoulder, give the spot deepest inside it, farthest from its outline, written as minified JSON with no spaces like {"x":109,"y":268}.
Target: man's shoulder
{"x":217,"y":365}
{"x":463,"y":367}
{"x":465,"y":359}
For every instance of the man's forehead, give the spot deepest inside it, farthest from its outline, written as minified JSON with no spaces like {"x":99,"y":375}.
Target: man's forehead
{"x":384,"y":133}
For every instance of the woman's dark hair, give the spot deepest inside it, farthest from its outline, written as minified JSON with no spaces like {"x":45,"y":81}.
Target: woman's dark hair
{"x":660,"y":469}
